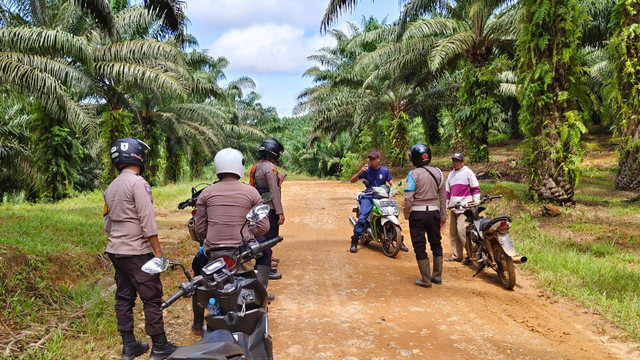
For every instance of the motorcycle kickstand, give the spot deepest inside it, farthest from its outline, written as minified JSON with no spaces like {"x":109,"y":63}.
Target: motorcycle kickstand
{"x":479,"y":270}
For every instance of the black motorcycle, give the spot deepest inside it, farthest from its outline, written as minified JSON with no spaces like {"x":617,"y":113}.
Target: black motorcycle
{"x":240,"y":330}
{"x":490,"y":243}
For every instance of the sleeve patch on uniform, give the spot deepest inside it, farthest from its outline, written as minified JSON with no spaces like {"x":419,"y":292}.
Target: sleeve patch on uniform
{"x":410,"y":185}
{"x":148,"y":188}
{"x":105,"y":210}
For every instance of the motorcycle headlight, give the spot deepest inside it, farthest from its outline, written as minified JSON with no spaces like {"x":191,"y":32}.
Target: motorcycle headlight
{"x":390,"y":210}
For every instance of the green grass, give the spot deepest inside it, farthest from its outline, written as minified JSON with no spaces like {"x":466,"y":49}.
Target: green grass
{"x":598,"y":275}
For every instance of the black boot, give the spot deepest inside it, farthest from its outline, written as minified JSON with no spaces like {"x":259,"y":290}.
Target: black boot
{"x":162,"y":348}
{"x":404,"y":248}
{"x":274,"y":274}
{"x":425,"y":272}
{"x":132,"y":348}
{"x":437,"y":270}
{"x":354,"y":244}
{"x":198,"y":316}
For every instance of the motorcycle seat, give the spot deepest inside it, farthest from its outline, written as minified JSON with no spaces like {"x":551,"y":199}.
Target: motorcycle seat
{"x":219,"y":344}
{"x":485,"y":224}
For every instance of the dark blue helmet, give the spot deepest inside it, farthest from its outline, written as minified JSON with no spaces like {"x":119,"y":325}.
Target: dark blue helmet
{"x":270,"y":149}
{"x":129,"y":151}
{"x":420,"y":155}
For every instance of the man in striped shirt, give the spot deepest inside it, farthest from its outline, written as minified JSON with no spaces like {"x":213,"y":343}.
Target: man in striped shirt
{"x":462,"y":187}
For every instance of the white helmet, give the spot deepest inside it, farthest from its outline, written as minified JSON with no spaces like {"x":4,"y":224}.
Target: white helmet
{"x":229,"y":161}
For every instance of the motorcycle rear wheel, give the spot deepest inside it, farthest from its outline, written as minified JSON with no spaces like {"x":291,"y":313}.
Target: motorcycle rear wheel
{"x":393,"y":242}
{"x":506,"y":269}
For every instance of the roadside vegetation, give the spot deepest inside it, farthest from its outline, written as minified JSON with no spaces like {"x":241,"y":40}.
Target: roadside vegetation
{"x":542,"y":96}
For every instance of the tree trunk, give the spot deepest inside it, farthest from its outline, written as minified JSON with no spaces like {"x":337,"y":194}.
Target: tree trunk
{"x":548,"y":73}
{"x":624,"y":52}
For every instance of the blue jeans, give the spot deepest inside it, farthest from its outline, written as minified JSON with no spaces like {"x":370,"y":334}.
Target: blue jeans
{"x":366,"y":204}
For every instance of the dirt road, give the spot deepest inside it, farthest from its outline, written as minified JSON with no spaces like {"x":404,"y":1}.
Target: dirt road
{"x":332,"y":304}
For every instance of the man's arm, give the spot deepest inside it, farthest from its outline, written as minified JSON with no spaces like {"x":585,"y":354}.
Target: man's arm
{"x":475,"y":186}
{"x":155,"y":245}
{"x":201,"y":218}
{"x":274,"y":189}
{"x":146,"y":214}
{"x":355,"y":177}
{"x":409,"y":189}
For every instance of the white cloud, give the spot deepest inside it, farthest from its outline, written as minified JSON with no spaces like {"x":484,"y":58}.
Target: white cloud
{"x":268,"y":48}
{"x":223,"y":14}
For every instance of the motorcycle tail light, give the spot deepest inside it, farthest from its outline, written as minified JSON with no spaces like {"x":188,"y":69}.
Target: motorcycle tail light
{"x":193,"y":212}
{"x":227,"y":260}
{"x":503,"y":226}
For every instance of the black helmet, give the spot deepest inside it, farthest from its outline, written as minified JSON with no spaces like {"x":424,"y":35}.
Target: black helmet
{"x":129,"y":151}
{"x":270,"y":149}
{"x":420,"y":155}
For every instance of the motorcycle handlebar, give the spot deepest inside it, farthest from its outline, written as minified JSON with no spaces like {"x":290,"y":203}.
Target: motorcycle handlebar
{"x":472,"y":204}
{"x":270,"y":243}
{"x":188,"y":202}
{"x":180,"y":293}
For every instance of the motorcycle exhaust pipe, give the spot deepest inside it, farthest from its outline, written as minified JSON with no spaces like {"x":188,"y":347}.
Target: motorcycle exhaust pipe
{"x":520,"y":259}
{"x":352,"y":221}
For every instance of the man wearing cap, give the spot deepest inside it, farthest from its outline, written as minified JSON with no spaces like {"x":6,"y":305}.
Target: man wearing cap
{"x":376,"y":175}
{"x":462,"y":187}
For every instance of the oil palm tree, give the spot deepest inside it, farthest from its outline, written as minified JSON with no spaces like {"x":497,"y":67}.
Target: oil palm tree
{"x":549,"y":68}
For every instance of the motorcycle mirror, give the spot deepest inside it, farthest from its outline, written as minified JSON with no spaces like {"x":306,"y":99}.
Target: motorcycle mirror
{"x":266,"y":197}
{"x":258,"y":213}
{"x":156,"y":265}
{"x":365,"y":182}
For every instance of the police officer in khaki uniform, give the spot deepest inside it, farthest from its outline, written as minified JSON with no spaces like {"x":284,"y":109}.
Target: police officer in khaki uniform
{"x":265,"y":178}
{"x":129,"y":220}
{"x":424,"y":207}
{"x":220,"y":214}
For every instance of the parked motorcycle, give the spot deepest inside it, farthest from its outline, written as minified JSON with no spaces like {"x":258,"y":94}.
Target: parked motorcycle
{"x":191,"y":224}
{"x":382,"y":225}
{"x":490,"y":241}
{"x":240,"y":330}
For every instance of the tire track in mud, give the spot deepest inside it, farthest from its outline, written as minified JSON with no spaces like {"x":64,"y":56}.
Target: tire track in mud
{"x":332,"y":304}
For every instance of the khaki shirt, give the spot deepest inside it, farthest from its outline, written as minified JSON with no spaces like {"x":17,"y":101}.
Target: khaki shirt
{"x":129,"y":218}
{"x":220,"y":213}
{"x":421,"y":189}
{"x":267,"y":176}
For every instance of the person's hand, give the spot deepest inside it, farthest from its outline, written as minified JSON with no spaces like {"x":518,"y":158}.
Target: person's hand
{"x":442,"y":224}
{"x":281,"y":219}
{"x":364,"y":168}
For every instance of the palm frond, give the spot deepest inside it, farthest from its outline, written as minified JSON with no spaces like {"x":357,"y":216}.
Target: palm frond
{"x":55,"y":43}
{"x":449,"y":47}
{"x":101,"y":12}
{"x":47,"y":90}
{"x":138,"y":75}
{"x":135,"y":22}
{"x":139,"y":51}
{"x":334,"y":9}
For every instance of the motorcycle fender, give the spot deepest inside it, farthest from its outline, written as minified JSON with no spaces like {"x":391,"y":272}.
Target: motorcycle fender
{"x":506,"y":243}
{"x":392,"y":218}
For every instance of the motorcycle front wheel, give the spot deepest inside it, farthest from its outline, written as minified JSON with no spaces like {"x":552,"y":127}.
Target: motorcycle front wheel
{"x":392,"y":242}
{"x":473,"y":254}
{"x":506,"y":269}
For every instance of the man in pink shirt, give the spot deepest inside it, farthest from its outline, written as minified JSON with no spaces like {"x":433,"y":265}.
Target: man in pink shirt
{"x":463,"y":188}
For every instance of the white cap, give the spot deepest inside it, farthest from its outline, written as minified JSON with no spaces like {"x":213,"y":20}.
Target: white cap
{"x":229,"y":161}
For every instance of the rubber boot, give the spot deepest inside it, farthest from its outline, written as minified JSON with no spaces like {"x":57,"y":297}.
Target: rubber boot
{"x":263,"y":278}
{"x":162,"y":348}
{"x":198,"y":316}
{"x":354,"y":244}
{"x":437,"y":270}
{"x":425,"y":271}
{"x":132,"y":348}
{"x":274,"y":274}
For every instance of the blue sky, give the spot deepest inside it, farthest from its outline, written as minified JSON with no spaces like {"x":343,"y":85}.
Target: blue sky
{"x":269,"y":40}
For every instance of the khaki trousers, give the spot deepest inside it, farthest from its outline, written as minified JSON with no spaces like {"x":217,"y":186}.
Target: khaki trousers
{"x":458,"y":235}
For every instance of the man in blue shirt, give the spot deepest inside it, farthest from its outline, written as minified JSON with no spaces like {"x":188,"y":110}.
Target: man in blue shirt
{"x":377,"y":176}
